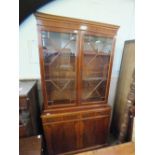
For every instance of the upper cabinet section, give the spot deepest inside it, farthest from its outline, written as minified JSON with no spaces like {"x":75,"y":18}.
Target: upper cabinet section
{"x":75,"y":60}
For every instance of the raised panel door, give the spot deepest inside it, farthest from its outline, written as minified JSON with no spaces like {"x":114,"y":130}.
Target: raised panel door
{"x":61,"y":137}
{"x":95,"y":131}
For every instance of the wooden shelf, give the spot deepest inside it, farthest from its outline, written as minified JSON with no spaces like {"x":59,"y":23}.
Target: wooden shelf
{"x":72,"y":79}
{"x":59,"y":79}
{"x":96,"y":53}
{"x":93,"y":79}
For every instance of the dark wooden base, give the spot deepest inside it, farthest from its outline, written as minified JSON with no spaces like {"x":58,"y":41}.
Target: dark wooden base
{"x":73,"y":131}
{"x":31,"y":145}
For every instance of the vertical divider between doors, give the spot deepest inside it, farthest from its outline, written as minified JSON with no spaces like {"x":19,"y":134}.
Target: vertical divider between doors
{"x":79,"y":67}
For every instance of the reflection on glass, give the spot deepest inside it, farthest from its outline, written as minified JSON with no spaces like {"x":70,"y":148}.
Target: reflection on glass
{"x":96,"y":44}
{"x":59,"y":62}
{"x":96,"y":53}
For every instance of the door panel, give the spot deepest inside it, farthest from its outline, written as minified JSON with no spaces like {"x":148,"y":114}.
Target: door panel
{"x":96,"y":52}
{"x":77,"y":130}
{"x":61,"y":137}
{"x":95,"y":131}
{"x":60,"y":59}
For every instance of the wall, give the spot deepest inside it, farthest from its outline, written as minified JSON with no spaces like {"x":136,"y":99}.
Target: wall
{"x":118,"y":12}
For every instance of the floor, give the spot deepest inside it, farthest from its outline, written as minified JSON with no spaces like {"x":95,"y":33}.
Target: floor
{"x":112,"y":140}
{"x":121,"y":149}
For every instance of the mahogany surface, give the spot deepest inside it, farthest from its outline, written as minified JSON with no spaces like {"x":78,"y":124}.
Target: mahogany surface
{"x":29,"y":110}
{"x":75,"y":82}
{"x":30,"y":145}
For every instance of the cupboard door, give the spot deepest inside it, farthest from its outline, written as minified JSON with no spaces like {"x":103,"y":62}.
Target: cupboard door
{"x":95,"y":131}
{"x":60,"y":59}
{"x":61,"y":137}
{"x":76,"y":130}
{"x":95,"y":65}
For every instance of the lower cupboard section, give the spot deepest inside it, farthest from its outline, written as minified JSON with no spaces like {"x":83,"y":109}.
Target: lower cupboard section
{"x":65,"y":133}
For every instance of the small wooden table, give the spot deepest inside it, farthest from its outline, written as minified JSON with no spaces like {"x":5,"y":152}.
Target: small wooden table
{"x":30,"y":146}
{"x":121,"y":149}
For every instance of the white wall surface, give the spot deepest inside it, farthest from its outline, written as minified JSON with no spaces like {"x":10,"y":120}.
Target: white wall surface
{"x":118,"y":12}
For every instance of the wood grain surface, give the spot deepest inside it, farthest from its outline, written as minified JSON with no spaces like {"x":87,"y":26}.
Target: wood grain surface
{"x":30,"y":146}
{"x":76,"y":115}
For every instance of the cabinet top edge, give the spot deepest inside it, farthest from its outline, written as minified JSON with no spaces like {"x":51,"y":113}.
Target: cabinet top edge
{"x":25,"y":86}
{"x":130,"y":41}
{"x":39,"y":15}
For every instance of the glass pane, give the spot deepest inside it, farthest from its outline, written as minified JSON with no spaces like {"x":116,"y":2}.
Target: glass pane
{"x":96,"y":51}
{"x":60,"y":66}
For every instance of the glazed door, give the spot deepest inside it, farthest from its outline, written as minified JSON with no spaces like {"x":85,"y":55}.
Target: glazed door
{"x":96,"y":51}
{"x":59,"y":62}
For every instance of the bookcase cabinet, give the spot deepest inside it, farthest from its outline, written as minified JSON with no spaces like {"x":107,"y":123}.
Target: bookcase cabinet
{"x":75,"y":62}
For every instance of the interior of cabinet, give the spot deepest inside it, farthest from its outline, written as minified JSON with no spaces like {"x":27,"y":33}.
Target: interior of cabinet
{"x":60,"y":66}
{"x":96,"y":56}
{"x":60,"y":54}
